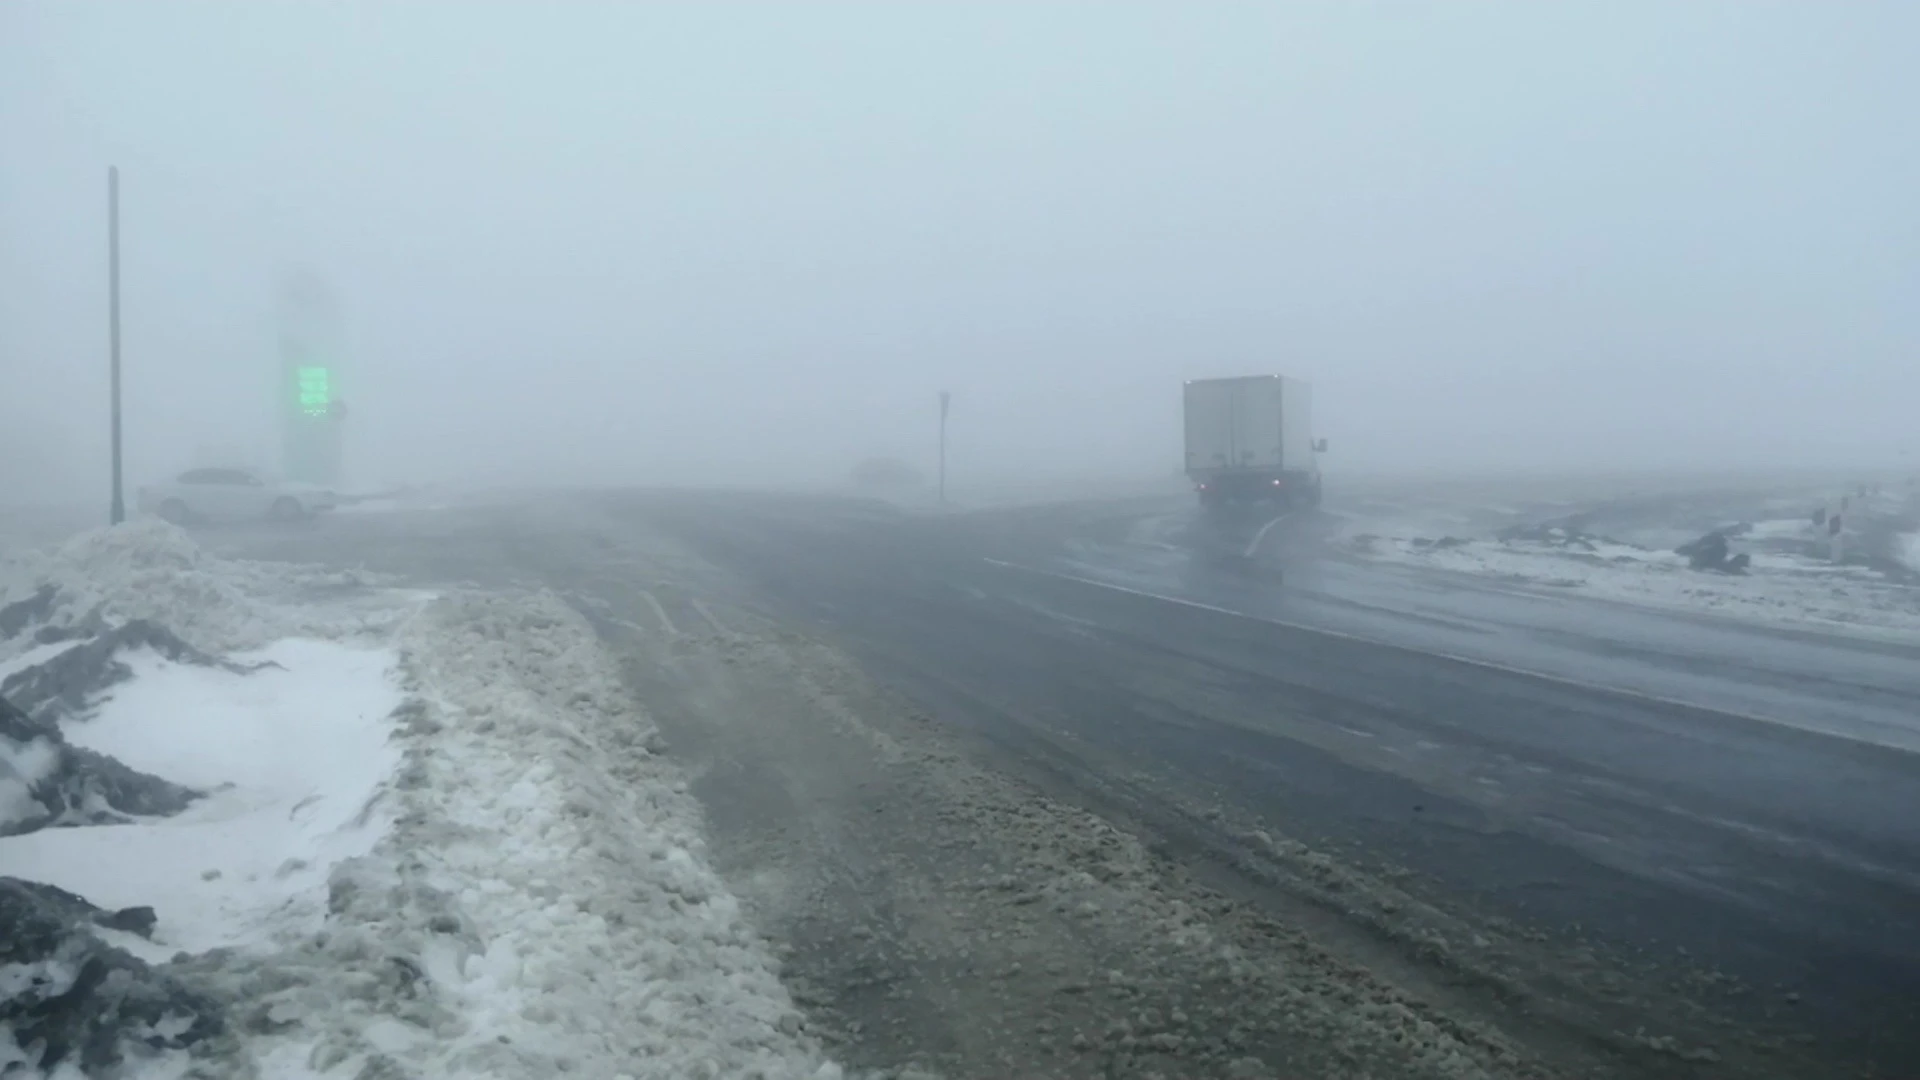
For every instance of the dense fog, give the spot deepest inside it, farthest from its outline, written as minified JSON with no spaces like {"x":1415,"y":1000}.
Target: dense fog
{"x":750,"y":243}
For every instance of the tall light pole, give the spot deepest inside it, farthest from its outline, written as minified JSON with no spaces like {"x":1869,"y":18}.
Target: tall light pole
{"x":118,"y":513}
{"x":946,"y":399}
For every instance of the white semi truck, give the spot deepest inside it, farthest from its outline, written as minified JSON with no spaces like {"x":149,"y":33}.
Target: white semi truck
{"x":1250,"y":441}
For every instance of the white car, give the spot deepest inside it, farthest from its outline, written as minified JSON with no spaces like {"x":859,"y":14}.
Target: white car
{"x":233,"y":495}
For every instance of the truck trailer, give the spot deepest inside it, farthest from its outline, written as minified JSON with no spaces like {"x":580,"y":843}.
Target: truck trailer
{"x":1250,"y":442}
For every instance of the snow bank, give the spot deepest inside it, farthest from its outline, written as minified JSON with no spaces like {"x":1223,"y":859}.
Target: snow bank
{"x":150,"y":569}
{"x":204,"y":797}
{"x":546,"y":893}
{"x":140,"y":1020}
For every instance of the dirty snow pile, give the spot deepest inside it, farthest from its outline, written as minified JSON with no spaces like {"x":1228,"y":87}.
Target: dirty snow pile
{"x":165,"y":794}
{"x":546,"y":896}
{"x":1783,"y":572}
{"x":296,"y":825}
{"x":149,"y":569}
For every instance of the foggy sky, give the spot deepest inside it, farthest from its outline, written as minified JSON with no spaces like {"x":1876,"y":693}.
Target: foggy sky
{"x":639,"y":242}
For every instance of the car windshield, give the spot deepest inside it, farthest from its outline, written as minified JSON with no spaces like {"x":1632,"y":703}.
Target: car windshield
{"x":959,"y":540}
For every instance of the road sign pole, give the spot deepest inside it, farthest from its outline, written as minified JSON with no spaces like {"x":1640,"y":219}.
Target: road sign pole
{"x":118,"y":513}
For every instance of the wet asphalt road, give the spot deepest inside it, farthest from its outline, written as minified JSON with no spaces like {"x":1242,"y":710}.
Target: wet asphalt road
{"x":1644,"y":805}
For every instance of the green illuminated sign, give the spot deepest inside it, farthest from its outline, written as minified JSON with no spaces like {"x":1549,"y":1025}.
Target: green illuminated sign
{"x":313,"y":390}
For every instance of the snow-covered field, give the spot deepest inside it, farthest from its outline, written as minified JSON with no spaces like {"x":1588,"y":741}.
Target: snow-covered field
{"x":1625,"y":550}
{"x":265,"y":820}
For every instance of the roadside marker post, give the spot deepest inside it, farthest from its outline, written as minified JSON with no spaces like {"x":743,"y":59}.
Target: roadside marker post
{"x":946,"y":402}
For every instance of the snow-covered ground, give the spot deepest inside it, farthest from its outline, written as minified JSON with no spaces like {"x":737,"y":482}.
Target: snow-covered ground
{"x":1907,"y":550}
{"x":1624,"y":550}
{"x":422,"y":835}
{"x":293,"y":758}
{"x":1777,"y":589}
